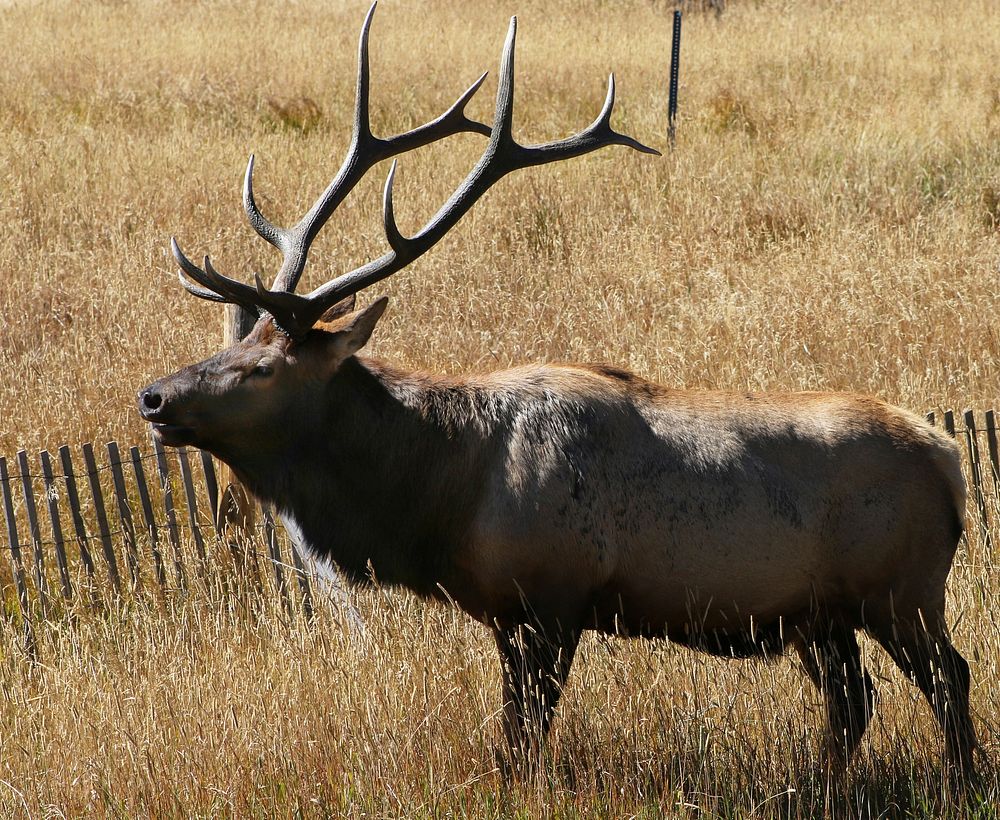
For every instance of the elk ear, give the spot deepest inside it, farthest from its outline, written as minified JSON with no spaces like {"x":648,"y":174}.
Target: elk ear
{"x":335,"y":311}
{"x":354,"y":333}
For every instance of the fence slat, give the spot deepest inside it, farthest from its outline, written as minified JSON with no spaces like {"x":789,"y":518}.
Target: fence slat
{"x":35,"y":532}
{"x":274,"y":551}
{"x":976,"y":471}
{"x":237,"y":516}
{"x":16,"y":561}
{"x":211,"y":486}
{"x":52,"y":501}
{"x":991,"y":446}
{"x":304,"y":589}
{"x":192,"y":505}
{"x":76,"y":512}
{"x":147,"y":515}
{"x":94,"y":477}
{"x":168,"y":504}
{"x":124,"y":511}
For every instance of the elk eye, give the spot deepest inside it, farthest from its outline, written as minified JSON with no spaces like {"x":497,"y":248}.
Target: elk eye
{"x":262,"y":370}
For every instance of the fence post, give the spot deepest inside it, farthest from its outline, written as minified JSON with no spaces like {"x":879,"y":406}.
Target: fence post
{"x":976,"y":471}
{"x":274,"y":552}
{"x":17,"y":562}
{"x":211,"y":486}
{"x":76,"y":512}
{"x":124,"y":512}
{"x":41,"y":583}
{"x":51,"y":498}
{"x":237,"y":514}
{"x":168,"y":505}
{"x":102,"y":516}
{"x":991,"y":445}
{"x":192,"y":507}
{"x":147,"y":515}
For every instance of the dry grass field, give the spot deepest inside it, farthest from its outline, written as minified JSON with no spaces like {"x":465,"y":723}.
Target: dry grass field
{"x":830,"y":218}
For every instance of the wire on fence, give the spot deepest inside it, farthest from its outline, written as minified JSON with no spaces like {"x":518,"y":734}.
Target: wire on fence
{"x":116,"y":528}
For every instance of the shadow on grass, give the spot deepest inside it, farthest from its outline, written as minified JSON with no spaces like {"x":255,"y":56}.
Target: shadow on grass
{"x":898,"y":785}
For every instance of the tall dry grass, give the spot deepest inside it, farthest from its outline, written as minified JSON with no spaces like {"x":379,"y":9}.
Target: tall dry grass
{"x":829,"y":219}
{"x":193,"y":708}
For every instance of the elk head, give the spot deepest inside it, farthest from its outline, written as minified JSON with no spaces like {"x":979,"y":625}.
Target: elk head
{"x":245,"y":393}
{"x":255,"y":389}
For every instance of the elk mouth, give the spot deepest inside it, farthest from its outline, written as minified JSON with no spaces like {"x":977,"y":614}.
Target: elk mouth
{"x":172,"y":435}
{"x":155,"y":409}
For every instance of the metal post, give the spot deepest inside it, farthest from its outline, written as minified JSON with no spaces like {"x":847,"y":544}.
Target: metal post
{"x":675,"y":65}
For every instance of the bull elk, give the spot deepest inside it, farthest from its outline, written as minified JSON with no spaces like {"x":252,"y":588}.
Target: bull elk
{"x":545,"y":500}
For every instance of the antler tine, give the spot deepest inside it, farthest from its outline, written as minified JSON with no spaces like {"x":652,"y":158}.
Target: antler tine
{"x":219,"y":288}
{"x":452,"y":121}
{"x":396,"y":240}
{"x":264,"y":228}
{"x":362,"y":123}
{"x":503,"y":117}
{"x":294,"y":243}
{"x":501,"y":156}
{"x":201,"y":293}
{"x":598,"y":134}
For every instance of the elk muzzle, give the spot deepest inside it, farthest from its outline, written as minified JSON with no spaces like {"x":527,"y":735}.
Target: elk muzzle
{"x":159,"y":406}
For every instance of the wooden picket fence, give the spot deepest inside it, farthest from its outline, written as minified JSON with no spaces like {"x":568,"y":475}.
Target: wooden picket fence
{"x":132,"y":523}
{"x":982,"y":470}
{"x":128,"y":524}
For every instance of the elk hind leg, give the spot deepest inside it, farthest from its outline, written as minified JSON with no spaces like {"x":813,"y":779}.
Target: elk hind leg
{"x":832,"y":660}
{"x":925,"y":654}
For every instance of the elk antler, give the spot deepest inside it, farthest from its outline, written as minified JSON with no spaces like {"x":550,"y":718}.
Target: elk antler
{"x":365,"y":151}
{"x":296,"y":314}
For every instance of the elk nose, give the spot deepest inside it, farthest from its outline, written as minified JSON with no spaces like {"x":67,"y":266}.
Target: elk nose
{"x":150,"y":400}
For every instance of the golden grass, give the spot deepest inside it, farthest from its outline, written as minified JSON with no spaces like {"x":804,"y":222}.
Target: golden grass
{"x":827,"y":220}
{"x":199,"y":709}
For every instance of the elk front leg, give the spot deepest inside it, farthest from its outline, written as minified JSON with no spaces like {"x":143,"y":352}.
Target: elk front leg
{"x":535,"y":664}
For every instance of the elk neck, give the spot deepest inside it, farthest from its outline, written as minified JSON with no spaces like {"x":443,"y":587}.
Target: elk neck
{"x":381,"y":472}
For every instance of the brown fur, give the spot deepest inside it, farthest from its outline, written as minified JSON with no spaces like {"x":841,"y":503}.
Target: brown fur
{"x":561,"y":498}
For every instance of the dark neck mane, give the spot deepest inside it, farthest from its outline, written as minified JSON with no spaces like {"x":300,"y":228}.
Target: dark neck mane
{"x":383,"y":473}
